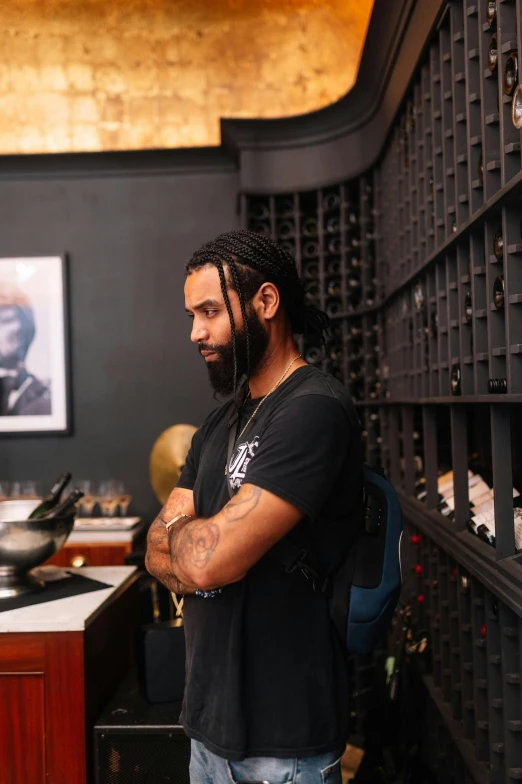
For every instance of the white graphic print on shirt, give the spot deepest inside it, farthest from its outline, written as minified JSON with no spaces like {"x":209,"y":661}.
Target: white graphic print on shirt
{"x":240,"y":460}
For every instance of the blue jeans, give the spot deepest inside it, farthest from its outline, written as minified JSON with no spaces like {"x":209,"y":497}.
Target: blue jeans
{"x":208,"y":768}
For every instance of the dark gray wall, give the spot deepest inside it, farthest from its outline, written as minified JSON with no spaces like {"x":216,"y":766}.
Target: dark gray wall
{"x":134,"y":370}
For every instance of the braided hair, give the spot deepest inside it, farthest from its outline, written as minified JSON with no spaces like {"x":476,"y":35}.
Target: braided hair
{"x":254,"y":259}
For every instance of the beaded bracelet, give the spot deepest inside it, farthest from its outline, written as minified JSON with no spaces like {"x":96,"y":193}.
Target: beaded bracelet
{"x":208,"y":594}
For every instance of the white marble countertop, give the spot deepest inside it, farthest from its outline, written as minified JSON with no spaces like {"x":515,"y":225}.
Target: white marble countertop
{"x":106,"y":537}
{"x":74,"y":613}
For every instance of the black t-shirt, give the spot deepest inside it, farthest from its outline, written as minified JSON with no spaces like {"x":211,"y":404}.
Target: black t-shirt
{"x":266,"y":672}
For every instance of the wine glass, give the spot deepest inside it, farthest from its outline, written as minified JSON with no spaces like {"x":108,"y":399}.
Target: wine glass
{"x":16,"y":491}
{"x":31,"y":490}
{"x":108,"y":497}
{"x":124,"y":498}
{"x":90,"y":497}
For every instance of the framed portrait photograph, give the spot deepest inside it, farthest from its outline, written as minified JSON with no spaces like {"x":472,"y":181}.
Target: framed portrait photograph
{"x":34,"y":373}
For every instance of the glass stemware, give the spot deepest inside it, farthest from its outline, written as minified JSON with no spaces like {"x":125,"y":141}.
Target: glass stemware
{"x":5,"y":490}
{"x":108,"y":497}
{"x":124,"y":498}
{"x":90,"y":498}
{"x":31,"y":490}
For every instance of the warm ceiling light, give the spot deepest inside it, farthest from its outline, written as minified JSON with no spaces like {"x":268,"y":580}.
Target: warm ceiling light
{"x":113,"y":75}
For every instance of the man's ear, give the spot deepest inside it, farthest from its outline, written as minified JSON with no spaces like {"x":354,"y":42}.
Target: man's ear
{"x":270,"y":300}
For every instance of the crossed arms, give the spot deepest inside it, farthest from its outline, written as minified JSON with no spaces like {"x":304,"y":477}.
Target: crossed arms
{"x":211,"y":552}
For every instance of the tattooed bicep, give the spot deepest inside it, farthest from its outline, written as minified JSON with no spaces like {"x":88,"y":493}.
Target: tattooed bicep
{"x":243,"y":503}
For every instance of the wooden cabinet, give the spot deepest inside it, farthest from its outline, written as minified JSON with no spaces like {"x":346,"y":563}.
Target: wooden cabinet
{"x":54,"y":684}
{"x":100,"y":548}
{"x":92,"y":554}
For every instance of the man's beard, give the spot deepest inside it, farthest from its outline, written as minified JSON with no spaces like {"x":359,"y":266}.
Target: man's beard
{"x":221,"y":370}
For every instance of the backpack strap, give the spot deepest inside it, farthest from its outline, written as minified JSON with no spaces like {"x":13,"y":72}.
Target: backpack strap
{"x":293,"y":557}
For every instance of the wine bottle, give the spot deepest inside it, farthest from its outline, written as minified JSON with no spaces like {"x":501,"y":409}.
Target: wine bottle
{"x":65,"y":507}
{"x":418,"y":296}
{"x":468,"y":308}
{"x":493,"y":53}
{"x":370,"y":298}
{"x":285,"y":229}
{"x":262,"y":228}
{"x":333,"y":287}
{"x":354,"y":284}
{"x":491,"y":11}
{"x":497,"y":386}
{"x":510,"y":80}
{"x":333,"y":307}
{"x":311,"y":289}
{"x":498,"y":244}
{"x":455,"y":380}
{"x":516,"y":108}
{"x":375,"y":390}
{"x":259,"y":211}
{"x":333,"y":267}
{"x":309,"y":227}
{"x":336,"y":353}
{"x":310,"y":249}
{"x":333,"y":225}
{"x":334,"y":245}
{"x":52,"y":498}
{"x":313,"y":355}
{"x":331,"y":201}
{"x":311,"y":270}
{"x":357,"y":355}
{"x":486,"y":534}
{"x":498,"y":292}
{"x":288,"y":246}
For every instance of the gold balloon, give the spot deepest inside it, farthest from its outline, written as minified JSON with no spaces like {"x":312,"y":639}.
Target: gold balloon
{"x":167,"y":459}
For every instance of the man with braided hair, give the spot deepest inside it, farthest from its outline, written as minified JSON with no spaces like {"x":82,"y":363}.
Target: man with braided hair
{"x":266,"y":696}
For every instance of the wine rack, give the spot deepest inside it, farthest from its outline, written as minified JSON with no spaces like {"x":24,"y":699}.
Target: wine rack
{"x":419,"y":264}
{"x":475,"y":645}
{"x":331,"y":233}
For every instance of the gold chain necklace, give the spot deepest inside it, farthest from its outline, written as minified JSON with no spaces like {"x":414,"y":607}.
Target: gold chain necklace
{"x":263,"y":400}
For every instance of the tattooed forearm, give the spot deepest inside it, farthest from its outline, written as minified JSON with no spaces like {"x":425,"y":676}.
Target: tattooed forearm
{"x":157,"y":536}
{"x":242,"y":504}
{"x":174,"y":506}
{"x":194,"y":544}
{"x":158,"y":559}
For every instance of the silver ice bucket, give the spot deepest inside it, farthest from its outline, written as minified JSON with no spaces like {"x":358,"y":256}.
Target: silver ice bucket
{"x":25,"y":544}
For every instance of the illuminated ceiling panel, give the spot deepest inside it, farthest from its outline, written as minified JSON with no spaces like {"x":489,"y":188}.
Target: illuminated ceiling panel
{"x":90,"y":75}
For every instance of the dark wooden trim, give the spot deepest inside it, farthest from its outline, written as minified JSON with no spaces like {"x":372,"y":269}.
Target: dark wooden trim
{"x":117,"y":164}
